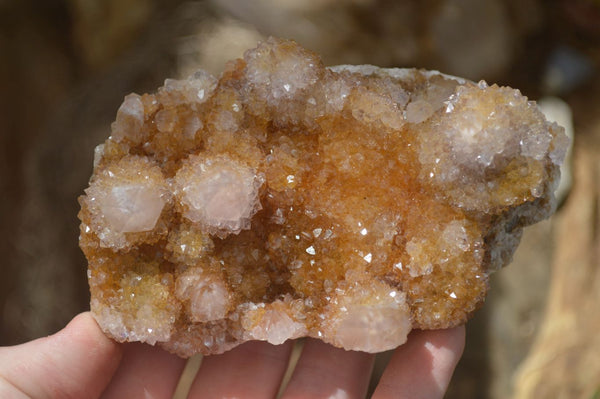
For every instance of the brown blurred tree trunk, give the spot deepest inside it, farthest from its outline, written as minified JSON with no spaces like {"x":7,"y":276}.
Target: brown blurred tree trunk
{"x":564,"y":361}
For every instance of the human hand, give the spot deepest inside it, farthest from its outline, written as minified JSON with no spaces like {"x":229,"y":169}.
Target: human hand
{"x":81,"y":362}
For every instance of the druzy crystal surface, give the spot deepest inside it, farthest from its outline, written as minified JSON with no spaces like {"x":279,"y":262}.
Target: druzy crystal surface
{"x":285,"y":199}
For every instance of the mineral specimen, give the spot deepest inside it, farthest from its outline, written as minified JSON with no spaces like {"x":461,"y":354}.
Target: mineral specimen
{"x":286,"y":199}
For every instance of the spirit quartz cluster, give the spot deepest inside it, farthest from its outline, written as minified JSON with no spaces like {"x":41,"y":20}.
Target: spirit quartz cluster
{"x":286,"y":199}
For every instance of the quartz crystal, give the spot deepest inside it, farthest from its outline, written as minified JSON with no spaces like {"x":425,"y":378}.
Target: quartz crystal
{"x":286,"y":199}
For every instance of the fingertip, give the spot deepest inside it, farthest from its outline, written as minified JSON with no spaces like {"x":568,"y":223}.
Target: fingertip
{"x":145,"y":371}
{"x":423,"y":367}
{"x":84,"y":333}
{"x":327,"y":371}
{"x":448,"y":343}
{"x":83,"y":321}
{"x":445,"y":348}
{"x":77,"y":361}
{"x":458,"y":339}
{"x":252,"y":370}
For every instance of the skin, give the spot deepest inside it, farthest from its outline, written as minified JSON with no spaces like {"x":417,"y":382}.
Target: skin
{"x":80,"y":361}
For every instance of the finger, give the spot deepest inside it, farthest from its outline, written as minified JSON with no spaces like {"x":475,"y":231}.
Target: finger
{"x":76,"y":362}
{"x":252,"y":370}
{"x":327,"y":372}
{"x":145,"y":372}
{"x":422,"y":367}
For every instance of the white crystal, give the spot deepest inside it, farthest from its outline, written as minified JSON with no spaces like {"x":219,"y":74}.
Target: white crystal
{"x":133,"y":207}
{"x":279,"y":77}
{"x":224,"y":121}
{"x":128,"y":320}
{"x":150,"y":328}
{"x":372,"y":108}
{"x":98,"y":154}
{"x":128,"y":197}
{"x":373,"y":322}
{"x":192,"y":125}
{"x":165,"y":120}
{"x":420,"y":262}
{"x":208,"y":296}
{"x":455,"y":236}
{"x":194,"y":90}
{"x":219,"y":194}
{"x":130,"y":119}
{"x":275,"y":325}
{"x":483,"y":130}
{"x":418,"y":111}
{"x":110,"y":319}
{"x":336,"y":93}
{"x":536,"y":145}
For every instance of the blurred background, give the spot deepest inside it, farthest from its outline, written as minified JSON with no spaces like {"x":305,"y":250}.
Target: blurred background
{"x":65,"y":66}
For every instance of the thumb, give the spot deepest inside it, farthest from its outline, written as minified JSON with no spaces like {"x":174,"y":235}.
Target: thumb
{"x":76,"y":362}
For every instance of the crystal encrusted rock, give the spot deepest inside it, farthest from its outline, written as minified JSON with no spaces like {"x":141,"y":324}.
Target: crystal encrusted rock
{"x":286,"y":199}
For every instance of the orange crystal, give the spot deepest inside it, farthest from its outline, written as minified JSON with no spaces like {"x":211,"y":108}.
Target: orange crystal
{"x":286,"y":199}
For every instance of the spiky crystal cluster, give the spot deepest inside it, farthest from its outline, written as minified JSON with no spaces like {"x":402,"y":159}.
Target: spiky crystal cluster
{"x":286,"y":199}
